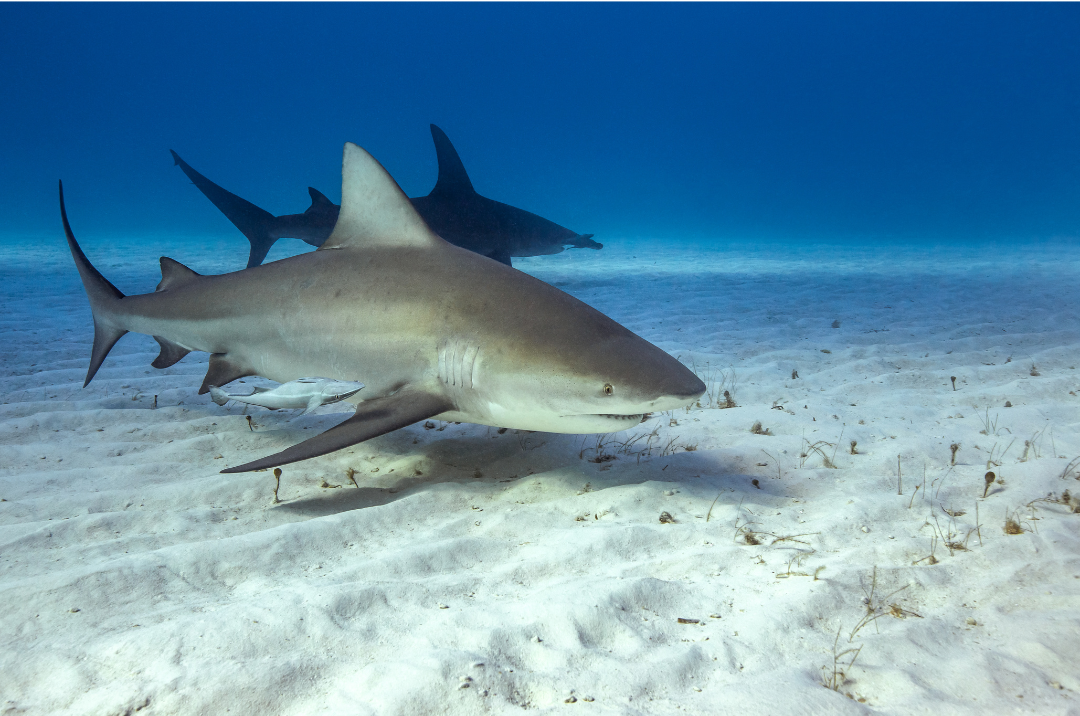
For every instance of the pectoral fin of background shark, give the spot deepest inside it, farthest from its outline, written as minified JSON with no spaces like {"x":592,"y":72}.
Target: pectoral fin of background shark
{"x":373,"y":418}
{"x":254,"y":223}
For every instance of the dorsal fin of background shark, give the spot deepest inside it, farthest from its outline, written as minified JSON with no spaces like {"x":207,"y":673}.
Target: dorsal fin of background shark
{"x":453,"y":210}
{"x":453,"y":179}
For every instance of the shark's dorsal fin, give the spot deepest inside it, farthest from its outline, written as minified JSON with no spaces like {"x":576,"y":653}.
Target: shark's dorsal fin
{"x":452,"y":176}
{"x":174,"y":274}
{"x":374,"y":209}
{"x":318,"y":199}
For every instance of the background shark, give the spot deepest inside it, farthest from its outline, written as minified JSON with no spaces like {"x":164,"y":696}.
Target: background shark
{"x":429,"y":328}
{"x":453,"y":209}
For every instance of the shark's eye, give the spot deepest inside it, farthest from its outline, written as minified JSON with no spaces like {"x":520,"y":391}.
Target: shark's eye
{"x":608,"y":390}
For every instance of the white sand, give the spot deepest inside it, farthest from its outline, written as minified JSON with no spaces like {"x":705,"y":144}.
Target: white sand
{"x":516,"y":573}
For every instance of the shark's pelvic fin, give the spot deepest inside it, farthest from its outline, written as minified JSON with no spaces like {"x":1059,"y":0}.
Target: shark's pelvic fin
{"x":222,"y":370}
{"x":374,"y":209}
{"x":453,"y":178}
{"x":373,"y":418}
{"x":103,"y":297}
{"x":174,"y":274}
{"x":170,"y":354}
{"x":255,"y":223}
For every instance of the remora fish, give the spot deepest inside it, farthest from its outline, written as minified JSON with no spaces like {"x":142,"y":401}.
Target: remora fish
{"x":306,"y":393}
{"x":431,"y":329}
{"x":453,"y":210}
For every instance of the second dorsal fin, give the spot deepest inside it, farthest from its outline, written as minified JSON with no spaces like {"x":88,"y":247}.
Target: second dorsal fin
{"x":374,"y":210}
{"x":318,"y":199}
{"x":174,"y":274}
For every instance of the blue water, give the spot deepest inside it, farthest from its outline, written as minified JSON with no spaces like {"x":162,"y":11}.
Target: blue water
{"x":903,"y":123}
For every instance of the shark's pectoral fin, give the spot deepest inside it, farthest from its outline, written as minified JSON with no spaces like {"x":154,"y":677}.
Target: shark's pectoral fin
{"x":170,"y":354}
{"x":315,"y":402}
{"x":222,"y":370}
{"x":373,"y":418}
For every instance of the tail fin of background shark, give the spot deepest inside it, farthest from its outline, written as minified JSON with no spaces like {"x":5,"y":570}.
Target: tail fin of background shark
{"x":254,"y":223}
{"x":103,"y":297}
{"x":453,"y":178}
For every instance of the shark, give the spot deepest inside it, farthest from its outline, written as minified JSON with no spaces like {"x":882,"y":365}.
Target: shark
{"x":431,"y":329}
{"x":453,"y":209}
{"x":306,"y":393}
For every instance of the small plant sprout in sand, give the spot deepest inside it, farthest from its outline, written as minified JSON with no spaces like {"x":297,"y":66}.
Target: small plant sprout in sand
{"x":989,"y":477}
{"x":715,"y":381}
{"x":853,"y":446}
{"x":774,"y":460}
{"x":996,"y":462}
{"x":1072,"y":470}
{"x":955,"y":447}
{"x":953,"y":379}
{"x":877,"y":608}
{"x":990,"y":427}
{"x":277,"y":483}
{"x":1014,"y":524}
{"x":1032,"y":448}
{"x":819,"y":448}
{"x":351,"y":474}
{"x":756,"y":429}
{"x":835,"y":676}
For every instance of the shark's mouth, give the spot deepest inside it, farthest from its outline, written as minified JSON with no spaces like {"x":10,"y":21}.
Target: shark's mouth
{"x":610,"y":416}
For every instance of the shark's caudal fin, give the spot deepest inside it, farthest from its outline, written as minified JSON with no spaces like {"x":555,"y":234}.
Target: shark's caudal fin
{"x":373,"y":418}
{"x":254,"y":223}
{"x":453,"y":178}
{"x":103,"y":299}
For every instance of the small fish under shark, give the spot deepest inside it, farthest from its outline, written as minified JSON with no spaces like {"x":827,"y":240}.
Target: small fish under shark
{"x":306,"y":393}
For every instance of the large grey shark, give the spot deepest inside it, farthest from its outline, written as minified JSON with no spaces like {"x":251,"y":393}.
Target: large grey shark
{"x":431,"y":329}
{"x":453,"y":209}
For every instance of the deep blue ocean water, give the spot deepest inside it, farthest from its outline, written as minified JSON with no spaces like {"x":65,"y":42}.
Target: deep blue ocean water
{"x":912,"y":123}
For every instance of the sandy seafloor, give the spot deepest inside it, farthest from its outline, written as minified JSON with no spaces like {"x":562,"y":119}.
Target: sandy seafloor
{"x":469,"y":571}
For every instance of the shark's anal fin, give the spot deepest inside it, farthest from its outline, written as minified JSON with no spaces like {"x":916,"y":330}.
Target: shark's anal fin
{"x":174,"y":275}
{"x":170,"y":354}
{"x":223,"y":370}
{"x":373,"y":418}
